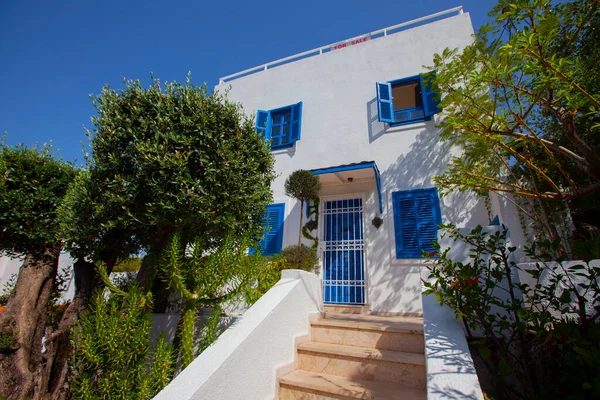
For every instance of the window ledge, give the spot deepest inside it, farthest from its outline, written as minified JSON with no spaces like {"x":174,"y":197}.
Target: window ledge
{"x":286,"y":150}
{"x":421,"y":121}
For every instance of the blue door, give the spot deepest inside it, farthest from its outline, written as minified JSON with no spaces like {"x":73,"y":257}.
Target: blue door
{"x":343,"y":256}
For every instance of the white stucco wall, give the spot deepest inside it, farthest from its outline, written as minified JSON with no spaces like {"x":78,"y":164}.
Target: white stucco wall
{"x":243,"y":363}
{"x":340,"y":126}
{"x":451,"y":373}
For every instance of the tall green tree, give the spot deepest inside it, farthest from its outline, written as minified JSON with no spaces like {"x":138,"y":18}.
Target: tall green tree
{"x":302,"y":185}
{"x":167,"y":158}
{"x":32,"y":185}
{"x":176,"y":158}
{"x":522,"y":102}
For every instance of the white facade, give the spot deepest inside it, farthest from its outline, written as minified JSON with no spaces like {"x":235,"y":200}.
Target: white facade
{"x":340,"y":126}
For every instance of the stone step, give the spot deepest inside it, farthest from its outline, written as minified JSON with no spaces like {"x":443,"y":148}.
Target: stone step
{"x":329,"y":308}
{"x":376,"y":332}
{"x":401,"y":323}
{"x":363,"y":363}
{"x":307,"y":385}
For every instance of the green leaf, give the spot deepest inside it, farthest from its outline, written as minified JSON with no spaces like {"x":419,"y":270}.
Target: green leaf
{"x":485,"y":352}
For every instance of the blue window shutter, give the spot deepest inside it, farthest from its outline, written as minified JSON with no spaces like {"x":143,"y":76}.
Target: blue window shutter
{"x":385,"y":102}
{"x":430,"y":97}
{"x":263,"y":122}
{"x":416,"y":217}
{"x":296,"y":122}
{"x":273,"y":223}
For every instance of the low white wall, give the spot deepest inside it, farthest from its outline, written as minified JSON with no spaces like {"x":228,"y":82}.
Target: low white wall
{"x":450,"y":370}
{"x":10,"y":266}
{"x":243,"y":362}
{"x":569,"y":281}
{"x":166,"y":324}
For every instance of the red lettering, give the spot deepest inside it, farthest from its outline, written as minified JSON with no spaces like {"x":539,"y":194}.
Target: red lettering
{"x":357,"y":41}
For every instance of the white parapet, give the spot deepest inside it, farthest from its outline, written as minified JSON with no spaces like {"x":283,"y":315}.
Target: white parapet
{"x":243,"y":362}
{"x":450,"y":370}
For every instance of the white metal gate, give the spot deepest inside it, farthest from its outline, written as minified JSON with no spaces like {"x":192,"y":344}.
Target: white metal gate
{"x":343,"y":252}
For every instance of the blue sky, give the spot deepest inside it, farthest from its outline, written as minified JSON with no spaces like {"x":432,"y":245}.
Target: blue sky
{"x":54,"y":54}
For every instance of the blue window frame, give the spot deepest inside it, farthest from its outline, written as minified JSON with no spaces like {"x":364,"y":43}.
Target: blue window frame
{"x":416,"y":218}
{"x":273,"y":230}
{"x":281,"y":127}
{"x":406,"y":101}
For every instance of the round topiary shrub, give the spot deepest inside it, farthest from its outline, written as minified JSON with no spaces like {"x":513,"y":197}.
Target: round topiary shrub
{"x":302,"y":257}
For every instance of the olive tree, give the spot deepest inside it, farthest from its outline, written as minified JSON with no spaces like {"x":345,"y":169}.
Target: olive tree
{"x":32,"y":185}
{"x":169,"y":158}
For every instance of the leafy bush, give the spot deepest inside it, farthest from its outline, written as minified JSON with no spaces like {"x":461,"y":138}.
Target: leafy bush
{"x":540,"y":340}
{"x":113,"y":358}
{"x":301,"y":257}
{"x":8,"y":343}
{"x":211,"y":330}
{"x":268,"y":274}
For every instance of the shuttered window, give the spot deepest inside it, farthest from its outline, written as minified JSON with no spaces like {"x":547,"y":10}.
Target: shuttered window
{"x":273,"y":230}
{"x":407,"y":100}
{"x":280,"y":127}
{"x":416,"y":217}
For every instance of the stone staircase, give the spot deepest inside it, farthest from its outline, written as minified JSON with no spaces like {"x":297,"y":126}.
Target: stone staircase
{"x":356,"y":355}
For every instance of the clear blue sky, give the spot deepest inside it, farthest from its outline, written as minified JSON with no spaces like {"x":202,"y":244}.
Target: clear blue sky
{"x":54,"y":54}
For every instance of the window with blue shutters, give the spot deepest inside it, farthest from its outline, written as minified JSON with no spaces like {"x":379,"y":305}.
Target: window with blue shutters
{"x":406,"y":101}
{"x":281,"y":127}
{"x":273,"y":230}
{"x":416,"y":218}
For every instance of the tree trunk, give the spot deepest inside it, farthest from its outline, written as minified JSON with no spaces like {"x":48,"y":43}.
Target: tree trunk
{"x":300,"y":231}
{"x":59,"y":346}
{"x":148,"y":272}
{"x":24,"y":318}
{"x":146,"y":276}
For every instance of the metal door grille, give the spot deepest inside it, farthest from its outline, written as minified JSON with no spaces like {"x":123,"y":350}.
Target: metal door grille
{"x":343,"y":252}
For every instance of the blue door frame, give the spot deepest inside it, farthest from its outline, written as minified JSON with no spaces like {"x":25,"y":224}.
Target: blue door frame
{"x":343,"y":256}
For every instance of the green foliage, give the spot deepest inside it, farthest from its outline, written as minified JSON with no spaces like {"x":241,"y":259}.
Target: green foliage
{"x":531,"y":332}
{"x":587,"y":248}
{"x":112,"y":353}
{"x":301,"y":257}
{"x":8,"y":342}
{"x":268,"y":274}
{"x":522,"y":101}
{"x":169,"y":157}
{"x":211,"y":330}
{"x":130,"y":264}
{"x":8,"y":289}
{"x":32,"y":185}
{"x":205,"y":278}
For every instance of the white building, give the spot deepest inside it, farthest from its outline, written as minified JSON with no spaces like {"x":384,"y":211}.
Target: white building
{"x":359,"y":115}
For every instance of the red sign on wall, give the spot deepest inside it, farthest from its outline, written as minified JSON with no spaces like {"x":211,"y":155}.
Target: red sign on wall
{"x":351,"y":42}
